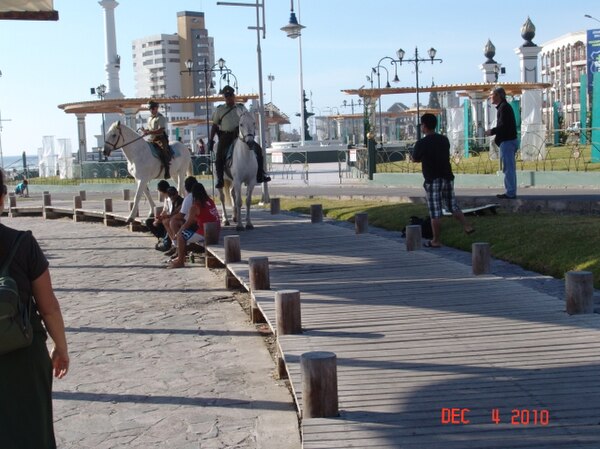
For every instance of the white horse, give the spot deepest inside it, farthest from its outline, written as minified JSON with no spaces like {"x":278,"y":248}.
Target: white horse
{"x":241,"y":171}
{"x":141,"y":163}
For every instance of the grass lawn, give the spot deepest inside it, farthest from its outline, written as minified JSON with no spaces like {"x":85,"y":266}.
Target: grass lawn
{"x":546,"y":243}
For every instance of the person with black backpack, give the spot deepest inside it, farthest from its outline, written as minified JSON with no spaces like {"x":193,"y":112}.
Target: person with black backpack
{"x":28,"y":311}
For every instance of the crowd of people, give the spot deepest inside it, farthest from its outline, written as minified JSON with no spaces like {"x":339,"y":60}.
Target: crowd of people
{"x":180,"y":224}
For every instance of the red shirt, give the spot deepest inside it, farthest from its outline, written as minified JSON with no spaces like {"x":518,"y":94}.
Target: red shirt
{"x":207,"y":214}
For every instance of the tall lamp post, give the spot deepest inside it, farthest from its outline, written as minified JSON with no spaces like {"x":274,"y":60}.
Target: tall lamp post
{"x":352,"y":104}
{"x":271,"y":78}
{"x":416,"y":60}
{"x":294,"y":31}
{"x":591,"y":17}
{"x":376,"y":70}
{"x":100,"y":91}
{"x":207,"y":71}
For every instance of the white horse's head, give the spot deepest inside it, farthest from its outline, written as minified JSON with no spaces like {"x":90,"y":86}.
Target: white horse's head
{"x":247,"y":126}
{"x":112,"y":138}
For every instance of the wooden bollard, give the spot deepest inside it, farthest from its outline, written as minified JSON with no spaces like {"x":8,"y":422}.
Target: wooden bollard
{"x":259,"y":273}
{"x":316,"y":213}
{"x":77,"y":202}
{"x":361,"y":223}
{"x":319,"y":384}
{"x":287,"y":312}
{"x":12,"y":200}
{"x":126,"y":195}
{"x":108,"y":205}
{"x":275,"y":206}
{"x":82,"y":195}
{"x":211,"y":233}
{"x":232,"y":249}
{"x":579,"y":289}
{"x":47,"y":199}
{"x":480,"y":258}
{"x":413,"y":237}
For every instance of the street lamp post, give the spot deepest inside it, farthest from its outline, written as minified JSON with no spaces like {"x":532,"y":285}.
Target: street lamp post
{"x":416,"y":60}
{"x":100,"y":91}
{"x":207,"y":71}
{"x":352,"y":104}
{"x":591,"y":17}
{"x":376,"y":70}
{"x":294,"y":31}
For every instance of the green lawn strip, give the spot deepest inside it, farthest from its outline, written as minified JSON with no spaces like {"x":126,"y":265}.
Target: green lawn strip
{"x":545,"y":243}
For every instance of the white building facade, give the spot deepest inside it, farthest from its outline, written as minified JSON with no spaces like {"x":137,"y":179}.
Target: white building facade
{"x":563,"y":61}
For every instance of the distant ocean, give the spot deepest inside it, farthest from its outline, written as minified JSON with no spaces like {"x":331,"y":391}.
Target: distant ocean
{"x":16,"y":162}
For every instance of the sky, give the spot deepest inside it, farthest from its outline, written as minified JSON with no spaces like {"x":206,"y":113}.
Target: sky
{"x":45,"y":64}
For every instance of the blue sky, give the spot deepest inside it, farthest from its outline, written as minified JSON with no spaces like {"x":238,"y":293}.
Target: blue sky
{"x":48,"y":63}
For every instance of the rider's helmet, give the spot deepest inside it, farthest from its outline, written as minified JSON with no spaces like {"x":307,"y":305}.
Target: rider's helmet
{"x":152,"y":104}
{"x":228,"y":91}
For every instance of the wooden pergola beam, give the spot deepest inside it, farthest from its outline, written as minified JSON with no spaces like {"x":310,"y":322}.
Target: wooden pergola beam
{"x":29,"y":15}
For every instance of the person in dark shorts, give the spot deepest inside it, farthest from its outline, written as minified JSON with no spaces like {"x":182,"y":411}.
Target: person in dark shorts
{"x":433,"y":151}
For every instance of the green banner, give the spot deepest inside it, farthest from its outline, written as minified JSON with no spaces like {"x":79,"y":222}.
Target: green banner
{"x":596,"y":120}
{"x":583,"y":108}
{"x":516,"y":105}
{"x":467,"y":125}
{"x":555,"y":122}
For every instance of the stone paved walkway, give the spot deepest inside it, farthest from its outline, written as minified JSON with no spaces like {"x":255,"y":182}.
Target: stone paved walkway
{"x":159,"y":358}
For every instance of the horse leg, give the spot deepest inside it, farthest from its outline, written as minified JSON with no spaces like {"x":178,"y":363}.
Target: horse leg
{"x":222,"y":198}
{"x":136,"y":199}
{"x":237,"y":191}
{"x":249,"y":190}
{"x":150,"y":200}
{"x":233,"y":195}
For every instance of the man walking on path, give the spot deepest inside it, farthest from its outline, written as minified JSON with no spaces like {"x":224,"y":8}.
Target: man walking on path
{"x":156,"y":361}
{"x":433,"y":151}
{"x":506,"y":138}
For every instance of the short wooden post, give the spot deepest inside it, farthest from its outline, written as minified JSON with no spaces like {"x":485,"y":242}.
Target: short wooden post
{"x":137,"y":212}
{"x":47,"y":199}
{"x":77,"y":202}
{"x":480,"y":258}
{"x":259,"y":280}
{"x":287,"y":312}
{"x":232,"y":248}
{"x":126,"y":195}
{"x":12,"y":200}
{"x":361,"y":223}
{"x":579,"y":289}
{"x":413,"y":237}
{"x":259,"y":273}
{"x":316,"y":213}
{"x":319,"y":384}
{"x":82,"y":195}
{"x":211,"y":233}
{"x":108,"y":205}
{"x":275,"y":206}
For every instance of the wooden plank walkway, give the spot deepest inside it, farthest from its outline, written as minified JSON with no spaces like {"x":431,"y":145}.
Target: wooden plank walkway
{"x":415,"y":333}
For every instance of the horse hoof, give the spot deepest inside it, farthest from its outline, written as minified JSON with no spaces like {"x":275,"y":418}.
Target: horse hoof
{"x":226,"y":223}
{"x":239,"y":227}
{"x":249,"y":227}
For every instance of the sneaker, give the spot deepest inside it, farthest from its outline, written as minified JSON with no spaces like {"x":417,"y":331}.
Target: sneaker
{"x":504,"y":196}
{"x":164,"y":245}
{"x":171,"y":252}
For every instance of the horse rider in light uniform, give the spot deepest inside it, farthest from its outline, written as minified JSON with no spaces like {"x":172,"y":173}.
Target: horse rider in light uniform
{"x":157,"y":125}
{"x":225,"y":123}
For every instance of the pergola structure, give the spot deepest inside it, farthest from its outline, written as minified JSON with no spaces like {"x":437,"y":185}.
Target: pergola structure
{"x":476,"y":92}
{"x":129,"y":107}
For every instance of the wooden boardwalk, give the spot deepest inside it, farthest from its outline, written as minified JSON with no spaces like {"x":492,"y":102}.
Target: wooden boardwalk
{"x":420,"y":341}
{"x":417,"y":335}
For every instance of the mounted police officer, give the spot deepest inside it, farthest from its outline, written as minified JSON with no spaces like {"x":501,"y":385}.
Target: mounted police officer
{"x":157,"y":125}
{"x":225,"y":122}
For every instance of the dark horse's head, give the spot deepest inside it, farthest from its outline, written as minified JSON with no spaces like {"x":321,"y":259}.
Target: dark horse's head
{"x":112,"y":138}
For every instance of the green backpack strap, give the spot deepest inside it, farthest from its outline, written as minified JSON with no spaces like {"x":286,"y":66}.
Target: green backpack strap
{"x":11,"y":254}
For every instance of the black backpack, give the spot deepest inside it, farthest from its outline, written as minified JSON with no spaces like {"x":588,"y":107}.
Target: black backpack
{"x":425,"y":223}
{"x":15,"y":317}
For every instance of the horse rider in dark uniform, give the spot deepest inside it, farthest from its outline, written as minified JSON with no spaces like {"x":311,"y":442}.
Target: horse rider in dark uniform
{"x":226,"y":122}
{"x":157,"y":125}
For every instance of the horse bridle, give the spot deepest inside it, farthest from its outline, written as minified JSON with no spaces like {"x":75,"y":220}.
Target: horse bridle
{"x":116,"y":146}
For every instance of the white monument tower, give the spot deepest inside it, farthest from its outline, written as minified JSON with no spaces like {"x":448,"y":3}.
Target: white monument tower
{"x":528,"y":53}
{"x":113,"y":60}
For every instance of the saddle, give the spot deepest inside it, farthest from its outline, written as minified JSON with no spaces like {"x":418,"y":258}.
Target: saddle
{"x":156,"y":150}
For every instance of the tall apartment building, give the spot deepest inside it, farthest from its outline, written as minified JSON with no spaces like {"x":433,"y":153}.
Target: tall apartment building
{"x":563,"y":61}
{"x":159,"y":59}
